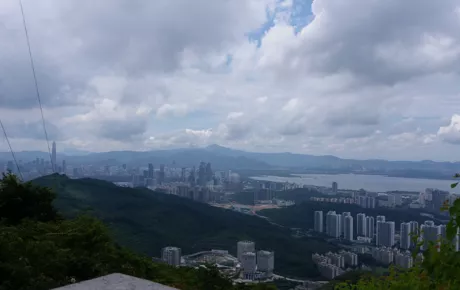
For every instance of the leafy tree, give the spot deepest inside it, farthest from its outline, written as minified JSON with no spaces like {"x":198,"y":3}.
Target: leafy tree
{"x":24,"y":200}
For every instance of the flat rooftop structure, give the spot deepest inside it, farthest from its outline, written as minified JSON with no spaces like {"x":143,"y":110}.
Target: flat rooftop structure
{"x":116,"y":281}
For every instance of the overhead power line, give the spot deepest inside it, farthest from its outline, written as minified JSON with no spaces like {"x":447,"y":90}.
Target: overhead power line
{"x":32,"y":65}
{"x":11,"y":149}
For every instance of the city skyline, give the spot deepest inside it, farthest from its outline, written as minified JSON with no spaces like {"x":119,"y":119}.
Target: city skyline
{"x":258,"y":75}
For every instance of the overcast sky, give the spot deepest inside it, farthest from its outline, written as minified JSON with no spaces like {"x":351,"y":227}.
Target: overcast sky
{"x":355,"y":78}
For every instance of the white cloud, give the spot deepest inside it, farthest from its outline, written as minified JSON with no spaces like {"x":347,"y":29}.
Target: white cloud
{"x":451,"y":132}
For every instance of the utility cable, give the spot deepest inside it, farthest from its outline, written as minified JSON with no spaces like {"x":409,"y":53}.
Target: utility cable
{"x":32,"y":65}
{"x":11,"y":149}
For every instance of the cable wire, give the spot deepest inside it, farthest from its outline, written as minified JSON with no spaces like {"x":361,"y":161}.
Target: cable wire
{"x":11,"y":149}
{"x":32,"y":65}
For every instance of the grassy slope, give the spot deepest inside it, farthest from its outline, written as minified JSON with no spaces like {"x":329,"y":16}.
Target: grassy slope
{"x":146,"y":221}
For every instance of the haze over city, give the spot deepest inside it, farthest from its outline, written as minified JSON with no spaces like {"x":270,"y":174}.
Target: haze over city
{"x":358,"y":79}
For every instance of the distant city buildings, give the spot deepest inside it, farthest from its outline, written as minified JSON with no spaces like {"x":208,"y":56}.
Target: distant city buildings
{"x":366,"y":201}
{"x":386,"y":256}
{"x":332,"y":265}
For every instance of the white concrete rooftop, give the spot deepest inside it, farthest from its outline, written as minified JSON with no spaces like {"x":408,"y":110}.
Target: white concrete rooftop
{"x":116,"y":282}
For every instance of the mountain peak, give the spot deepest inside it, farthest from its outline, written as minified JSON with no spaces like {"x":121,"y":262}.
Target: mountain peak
{"x":216,"y":147}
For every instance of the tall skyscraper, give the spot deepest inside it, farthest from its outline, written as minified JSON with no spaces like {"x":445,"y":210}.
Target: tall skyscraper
{"x":361,"y":225}
{"x":208,"y":172}
{"x":319,"y":221}
{"x":405,"y":236}
{"x":151,"y":171}
{"x":53,"y":158}
{"x":385,"y":234}
{"x":64,"y":167}
{"x":370,"y":227}
{"x":334,"y":187}
{"x":161,"y":176}
{"x":348,"y":225}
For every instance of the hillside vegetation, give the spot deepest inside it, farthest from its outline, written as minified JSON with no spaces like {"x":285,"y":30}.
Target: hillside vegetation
{"x":41,"y":250}
{"x":146,"y":221}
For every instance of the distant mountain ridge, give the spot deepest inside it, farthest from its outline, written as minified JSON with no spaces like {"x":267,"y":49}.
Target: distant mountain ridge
{"x":227,"y":158}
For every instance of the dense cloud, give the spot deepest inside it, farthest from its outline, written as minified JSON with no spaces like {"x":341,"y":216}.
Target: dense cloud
{"x":359,"y":78}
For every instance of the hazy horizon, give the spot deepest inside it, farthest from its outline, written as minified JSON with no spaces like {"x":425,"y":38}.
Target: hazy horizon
{"x":76,"y":153}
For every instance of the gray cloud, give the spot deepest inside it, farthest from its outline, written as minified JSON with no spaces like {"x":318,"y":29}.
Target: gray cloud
{"x":122,"y":130}
{"x":33,"y":130}
{"x":385,"y":42}
{"x":73,"y":41}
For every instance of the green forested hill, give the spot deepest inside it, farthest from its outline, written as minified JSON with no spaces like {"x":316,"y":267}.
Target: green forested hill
{"x":42,"y":250}
{"x":146,"y":221}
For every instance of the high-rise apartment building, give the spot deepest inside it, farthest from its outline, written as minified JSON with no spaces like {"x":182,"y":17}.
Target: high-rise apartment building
{"x":430,"y":233}
{"x":361,"y":229}
{"x":370,"y":227}
{"x":243,"y":247}
{"x":405,"y":236}
{"x":249,"y":265}
{"x":342,"y":228}
{"x":266,"y":262}
{"x":348,"y":225}
{"x":171,"y":255}
{"x":385,"y":234}
{"x":319,"y":221}
{"x":333,"y":224}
